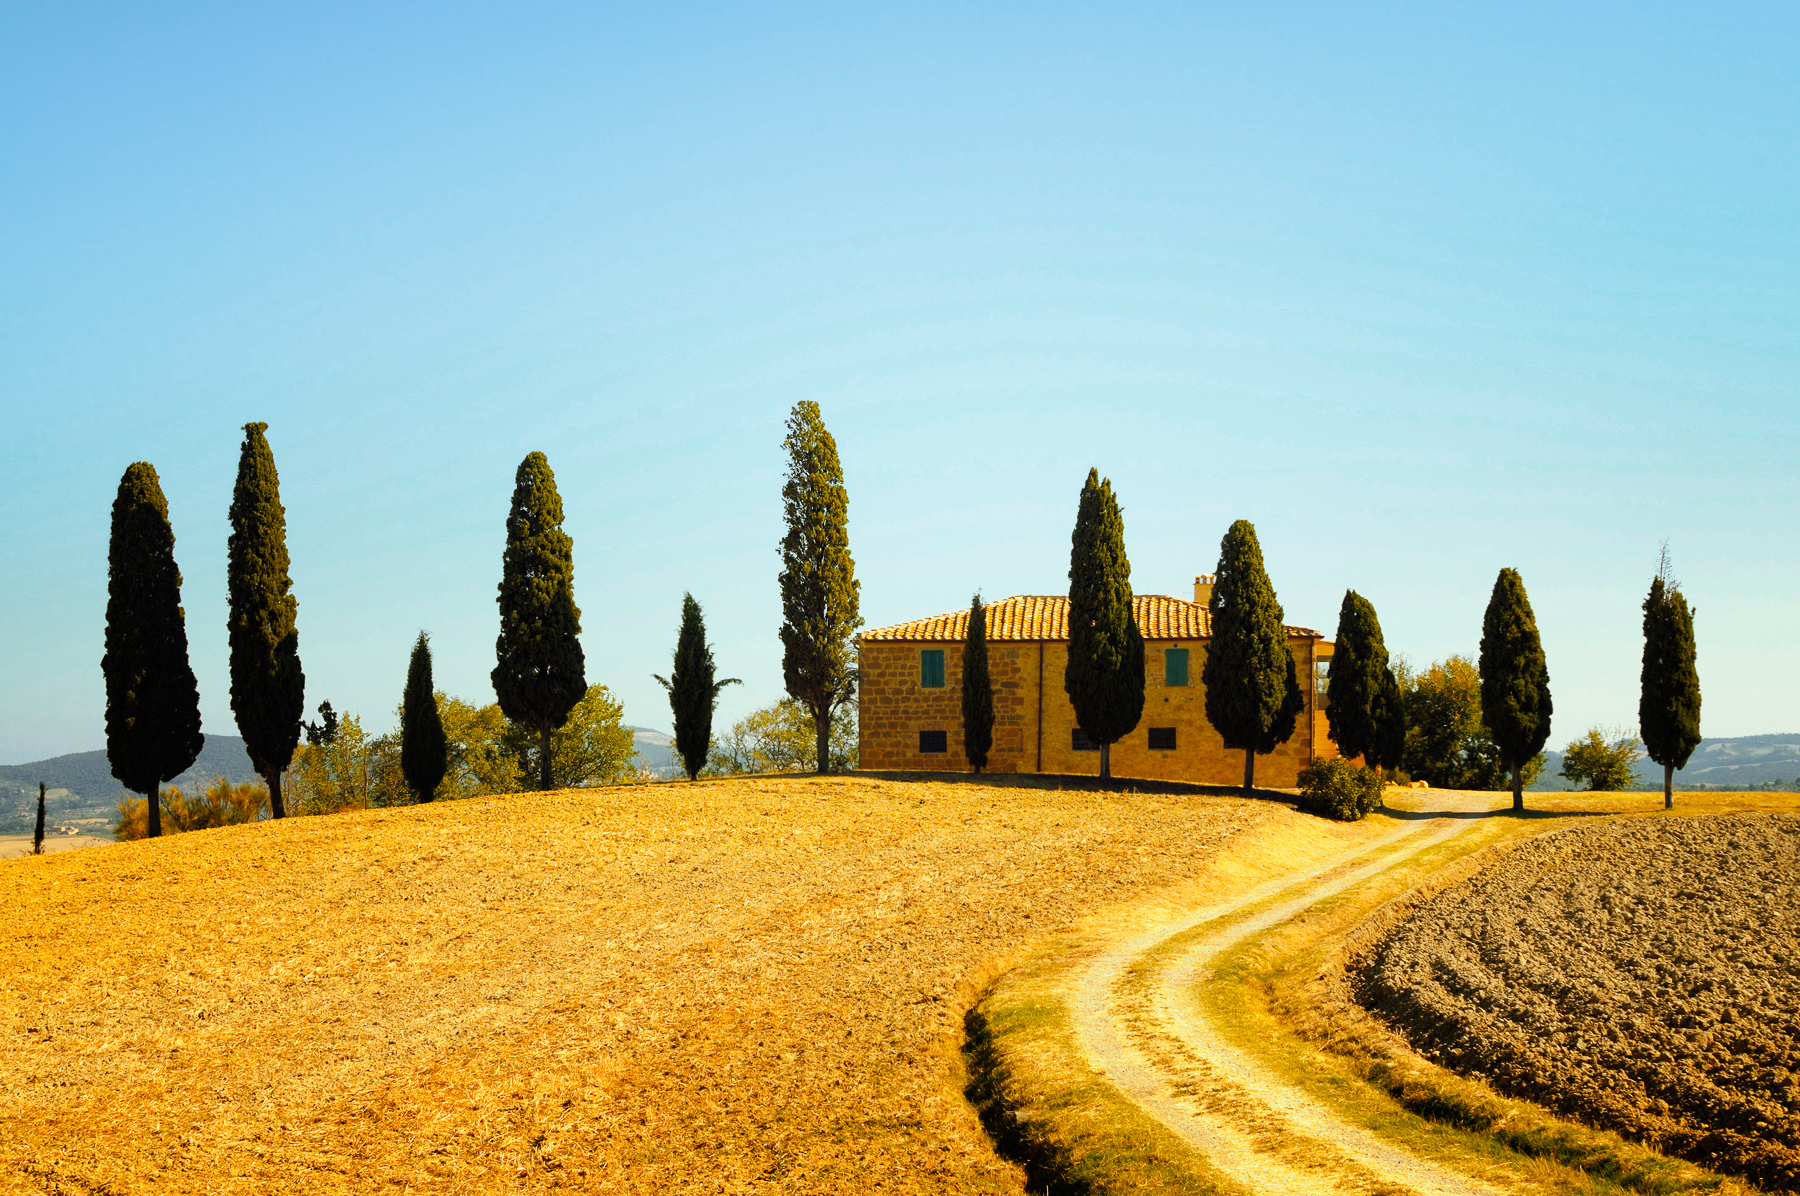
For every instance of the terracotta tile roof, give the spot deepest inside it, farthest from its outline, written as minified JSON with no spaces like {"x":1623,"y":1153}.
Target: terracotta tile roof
{"x":1046,"y":617}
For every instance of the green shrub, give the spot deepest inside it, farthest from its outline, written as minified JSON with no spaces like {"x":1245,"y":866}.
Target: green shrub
{"x":1338,"y":789}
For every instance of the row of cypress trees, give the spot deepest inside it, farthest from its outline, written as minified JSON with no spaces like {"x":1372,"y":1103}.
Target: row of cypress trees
{"x":1366,"y":712}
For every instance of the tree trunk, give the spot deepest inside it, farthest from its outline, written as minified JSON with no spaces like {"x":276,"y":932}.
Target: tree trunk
{"x":37,"y":840}
{"x":153,"y":813}
{"x":1106,"y":761}
{"x":1518,"y":779}
{"x":822,"y":726}
{"x":1668,"y":787}
{"x":273,"y":780}
{"x":1249,"y":770}
{"x":544,"y":758}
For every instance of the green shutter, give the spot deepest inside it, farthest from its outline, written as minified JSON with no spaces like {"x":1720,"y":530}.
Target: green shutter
{"x":1175,"y":662}
{"x":931,"y":668}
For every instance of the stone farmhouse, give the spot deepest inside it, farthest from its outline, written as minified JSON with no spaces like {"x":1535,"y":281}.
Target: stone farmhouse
{"x":911,"y":696}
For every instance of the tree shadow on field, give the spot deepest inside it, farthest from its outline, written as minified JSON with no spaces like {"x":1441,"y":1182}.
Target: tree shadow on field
{"x":1505,"y":811}
{"x":1074,"y":783}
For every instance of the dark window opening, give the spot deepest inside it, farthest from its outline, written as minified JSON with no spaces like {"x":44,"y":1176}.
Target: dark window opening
{"x":931,"y":668}
{"x":1079,"y":741}
{"x":1162,"y":739}
{"x":934,"y":741}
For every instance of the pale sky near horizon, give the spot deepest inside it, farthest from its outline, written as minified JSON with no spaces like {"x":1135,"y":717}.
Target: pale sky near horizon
{"x":1420,"y":292}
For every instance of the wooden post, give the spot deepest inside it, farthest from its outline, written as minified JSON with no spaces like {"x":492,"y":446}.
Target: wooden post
{"x":37,"y":841}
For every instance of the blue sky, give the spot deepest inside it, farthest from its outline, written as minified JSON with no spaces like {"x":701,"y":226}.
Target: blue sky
{"x":1420,"y":291}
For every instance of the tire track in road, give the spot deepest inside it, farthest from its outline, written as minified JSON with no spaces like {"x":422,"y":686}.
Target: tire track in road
{"x":1138,"y":1021}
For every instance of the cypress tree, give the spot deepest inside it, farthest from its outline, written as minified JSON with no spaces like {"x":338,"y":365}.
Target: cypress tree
{"x":693,"y":690}
{"x":819,"y":590}
{"x":1669,"y":701}
{"x":1253,"y":694}
{"x":1390,"y":722}
{"x":1105,"y":674}
{"x":152,"y":701}
{"x":268,"y":688}
{"x":37,"y":837}
{"x":977,"y":689}
{"x":424,"y":749}
{"x":1355,"y":690}
{"x":541,"y":673}
{"x":1515,"y":679}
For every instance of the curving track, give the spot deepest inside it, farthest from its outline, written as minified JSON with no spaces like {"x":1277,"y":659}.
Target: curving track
{"x":1138,"y":1022}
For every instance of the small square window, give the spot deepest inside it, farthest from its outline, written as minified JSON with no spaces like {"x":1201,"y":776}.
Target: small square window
{"x":1078,"y":741}
{"x":1162,"y":739}
{"x":931,"y":668}
{"x":934,"y":742}
{"x":1175,"y":666}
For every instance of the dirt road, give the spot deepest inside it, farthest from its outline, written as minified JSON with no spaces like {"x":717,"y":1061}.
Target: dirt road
{"x":1138,"y":1021}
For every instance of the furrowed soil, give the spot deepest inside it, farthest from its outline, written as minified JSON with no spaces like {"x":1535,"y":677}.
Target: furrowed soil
{"x":743,"y":986}
{"x":1641,"y":975}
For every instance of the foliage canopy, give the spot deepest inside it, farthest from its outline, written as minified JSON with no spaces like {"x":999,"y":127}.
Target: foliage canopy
{"x":693,"y":689}
{"x":977,"y":689}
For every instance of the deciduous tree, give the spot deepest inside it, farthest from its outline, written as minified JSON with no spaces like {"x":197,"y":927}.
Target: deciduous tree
{"x":1253,"y":694}
{"x":1603,"y":758}
{"x":152,"y":700}
{"x":819,"y":590}
{"x":424,"y":751}
{"x":1669,"y":701}
{"x":541,"y":672}
{"x":1105,"y":674}
{"x":1515,"y":679}
{"x":693,"y":689}
{"x":977,"y":689}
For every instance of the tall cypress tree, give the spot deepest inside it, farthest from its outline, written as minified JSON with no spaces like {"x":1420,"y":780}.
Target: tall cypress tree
{"x":693,"y":689}
{"x":541,"y":672}
{"x":819,"y":591}
{"x":152,"y":701}
{"x":268,"y":688}
{"x":1365,"y":709}
{"x":1105,"y":674}
{"x":1355,"y":706}
{"x":1669,"y":701}
{"x":1515,"y":679}
{"x":1253,"y":694}
{"x":424,"y":749}
{"x":977,"y":689}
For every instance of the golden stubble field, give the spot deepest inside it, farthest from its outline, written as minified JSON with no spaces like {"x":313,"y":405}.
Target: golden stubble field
{"x":746,"y":986}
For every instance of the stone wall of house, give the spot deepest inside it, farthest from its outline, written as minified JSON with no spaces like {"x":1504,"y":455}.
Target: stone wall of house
{"x":895,"y":708}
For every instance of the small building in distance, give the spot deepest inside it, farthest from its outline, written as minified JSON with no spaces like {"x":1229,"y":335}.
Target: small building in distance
{"x":911,"y":696}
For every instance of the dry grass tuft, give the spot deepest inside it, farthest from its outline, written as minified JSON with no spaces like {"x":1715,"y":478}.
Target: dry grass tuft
{"x":742,"y":986}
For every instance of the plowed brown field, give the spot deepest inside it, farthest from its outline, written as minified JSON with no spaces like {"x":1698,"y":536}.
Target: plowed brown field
{"x":1642,"y":975}
{"x":728,"y":987}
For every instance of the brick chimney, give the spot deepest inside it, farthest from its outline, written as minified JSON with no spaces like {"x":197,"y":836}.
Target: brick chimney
{"x":1203,"y":584}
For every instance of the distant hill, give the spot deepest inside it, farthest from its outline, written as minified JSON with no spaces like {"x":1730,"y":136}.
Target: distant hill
{"x":82,"y":787}
{"x":1746,"y":762}
{"x":656,"y":751}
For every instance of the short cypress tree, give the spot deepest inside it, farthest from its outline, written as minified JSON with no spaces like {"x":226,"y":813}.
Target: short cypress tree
{"x":1356,"y":703}
{"x":1105,"y":674}
{"x":37,"y":837}
{"x":1253,"y":694}
{"x":268,"y":688}
{"x":693,"y":689}
{"x":977,"y":689}
{"x":819,"y":591}
{"x":152,"y":701}
{"x":1669,"y":701}
{"x":424,"y":749}
{"x":1390,"y":722}
{"x":541,"y":672}
{"x":1515,"y":679}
